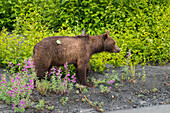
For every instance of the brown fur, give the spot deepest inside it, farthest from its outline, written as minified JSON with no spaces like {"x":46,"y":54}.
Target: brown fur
{"x":76,"y":50}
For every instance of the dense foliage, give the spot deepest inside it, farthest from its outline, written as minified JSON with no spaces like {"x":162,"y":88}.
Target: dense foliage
{"x":139,"y":25}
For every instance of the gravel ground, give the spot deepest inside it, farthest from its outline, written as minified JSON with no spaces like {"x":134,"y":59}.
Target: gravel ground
{"x":124,"y":95}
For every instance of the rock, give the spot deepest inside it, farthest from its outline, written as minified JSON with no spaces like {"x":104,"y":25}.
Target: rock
{"x":3,"y":106}
{"x":8,"y":111}
{"x":142,"y":102}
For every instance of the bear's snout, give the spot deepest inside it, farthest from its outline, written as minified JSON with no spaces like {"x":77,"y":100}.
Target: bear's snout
{"x":118,"y":50}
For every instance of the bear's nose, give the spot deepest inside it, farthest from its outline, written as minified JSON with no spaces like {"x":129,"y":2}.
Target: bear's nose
{"x":118,"y":50}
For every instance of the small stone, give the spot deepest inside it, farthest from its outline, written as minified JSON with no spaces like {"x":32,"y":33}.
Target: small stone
{"x":3,"y":106}
{"x":117,"y":108}
{"x":77,"y":91}
{"x":134,"y":106}
{"x":142,"y":102}
{"x":8,"y":111}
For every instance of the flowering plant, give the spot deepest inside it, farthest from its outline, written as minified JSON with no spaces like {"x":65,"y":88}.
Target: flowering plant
{"x":18,"y":87}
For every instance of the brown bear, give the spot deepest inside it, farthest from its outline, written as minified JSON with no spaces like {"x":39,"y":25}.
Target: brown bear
{"x":77,"y":50}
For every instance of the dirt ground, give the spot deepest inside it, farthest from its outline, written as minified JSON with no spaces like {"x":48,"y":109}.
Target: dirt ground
{"x":150,"y":87}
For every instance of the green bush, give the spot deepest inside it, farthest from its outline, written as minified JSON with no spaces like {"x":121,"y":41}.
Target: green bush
{"x":90,"y":14}
{"x":142,"y":26}
{"x":7,"y":16}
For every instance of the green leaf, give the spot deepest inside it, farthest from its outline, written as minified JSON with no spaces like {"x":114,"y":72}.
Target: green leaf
{"x":58,"y":42}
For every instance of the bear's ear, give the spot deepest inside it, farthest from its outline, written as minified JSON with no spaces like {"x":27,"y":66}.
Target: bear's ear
{"x":108,"y":32}
{"x":106,"y":35}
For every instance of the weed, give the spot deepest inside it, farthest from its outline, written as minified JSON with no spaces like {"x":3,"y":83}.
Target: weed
{"x":139,"y":74}
{"x":59,"y":83}
{"x":129,"y":62}
{"x":94,"y":104}
{"x":154,"y":97}
{"x":105,"y":89}
{"x":145,"y":91}
{"x":154,"y":87}
{"x":144,"y":76}
{"x":83,"y":99}
{"x":155,"y":90}
{"x":49,"y":107}
{"x":99,"y":81}
{"x":64,"y":100}
{"x":126,"y":71}
{"x":82,"y":88}
{"x":18,"y":90}
{"x":101,"y":104}
{"x":130,"y":100}
{"x":42,"y":86}
{"x":41,"y":104}
{"x":113,"y":77}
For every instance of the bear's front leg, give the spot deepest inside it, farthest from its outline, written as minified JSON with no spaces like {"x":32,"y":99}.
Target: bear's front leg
{"x":81,"y":75}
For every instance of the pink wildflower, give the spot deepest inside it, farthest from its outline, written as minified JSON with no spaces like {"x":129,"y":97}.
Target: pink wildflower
{"x":129,"y":54}
{"x":18,"y":64}
{"x":83,"y":32}
{"x":111,"y":82}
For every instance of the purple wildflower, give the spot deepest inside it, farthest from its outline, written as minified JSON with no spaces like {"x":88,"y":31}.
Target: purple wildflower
{"x":72,"y":76}
{"x":18,"y":64}
{"x":68,"y":75}
{"x":59,"y":70}
{"x":65,"y":66}
{"x":111,"y":82}
{"x":13,"y":105}
{"x":69,"y":79}
{"x":12,"y":80}
{"x":129,"y":54}
{"x":22,"y":102}
{"x":31,"y":81}
{"x":25,"y":61}
{"x":18,"y":78}
{"x":83,"y":32}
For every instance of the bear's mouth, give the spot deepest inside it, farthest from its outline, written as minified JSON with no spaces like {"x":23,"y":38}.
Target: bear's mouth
{"x":111,"y":51}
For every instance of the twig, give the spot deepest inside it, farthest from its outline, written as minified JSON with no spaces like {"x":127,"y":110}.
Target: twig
{"x":78,"y":99}
{"x":94,"y":107}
